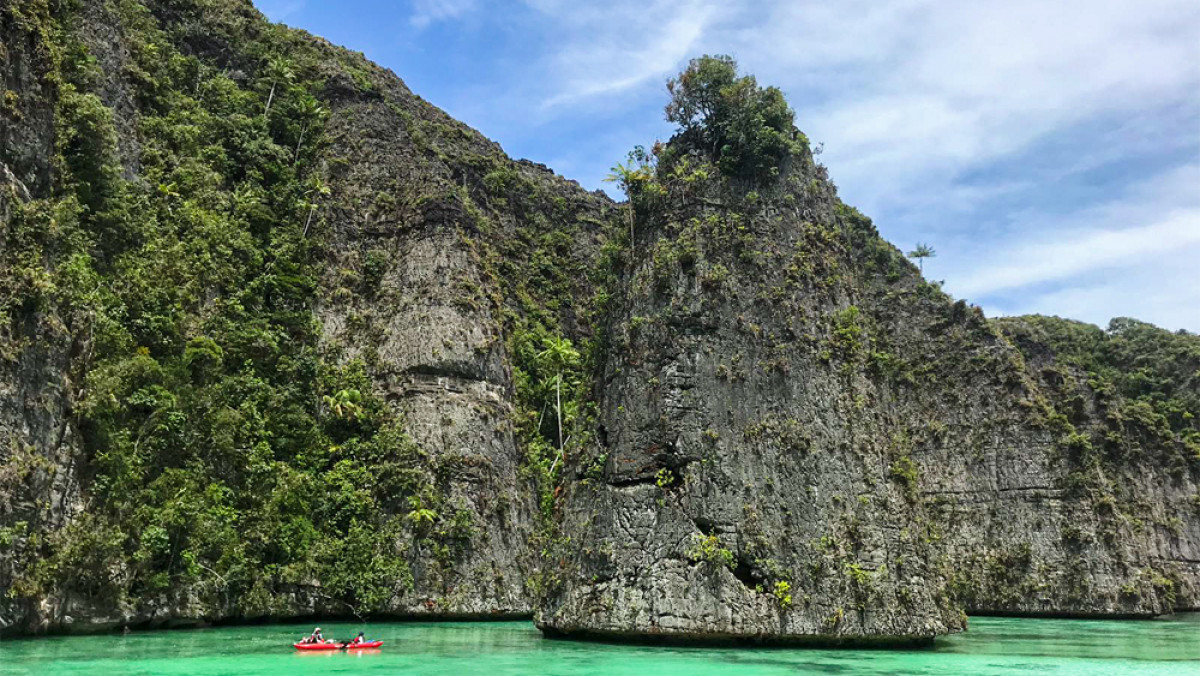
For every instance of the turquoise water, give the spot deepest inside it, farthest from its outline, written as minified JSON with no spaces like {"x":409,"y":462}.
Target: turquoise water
{"x":993,"y":646}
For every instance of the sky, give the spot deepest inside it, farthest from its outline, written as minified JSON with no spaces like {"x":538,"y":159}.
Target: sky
{"x":1048,"y":150}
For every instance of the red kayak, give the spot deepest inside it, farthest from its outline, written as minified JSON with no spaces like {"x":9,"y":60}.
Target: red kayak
{"x":337,"y":646}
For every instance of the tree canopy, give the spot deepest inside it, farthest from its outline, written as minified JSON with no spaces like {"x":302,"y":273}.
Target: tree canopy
{"x":746,"y":130}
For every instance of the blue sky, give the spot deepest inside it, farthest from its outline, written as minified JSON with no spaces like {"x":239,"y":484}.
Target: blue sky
{"x":1048,"y":149}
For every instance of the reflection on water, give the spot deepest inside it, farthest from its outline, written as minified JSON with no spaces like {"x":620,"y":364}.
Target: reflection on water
{"x":997,"y":646}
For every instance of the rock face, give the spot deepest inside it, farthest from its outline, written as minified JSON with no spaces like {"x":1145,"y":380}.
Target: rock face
{"x":746,"y":484}
{"x":799,"y":439}
{"x":1104,"y":520}
{"x":420,"y":199}
{"x":274,"y":337}
{"x":39,"y":444}
{"x":433,"y":251}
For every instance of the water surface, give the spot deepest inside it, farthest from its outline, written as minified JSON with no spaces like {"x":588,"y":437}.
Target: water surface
{"x":998,"y":646}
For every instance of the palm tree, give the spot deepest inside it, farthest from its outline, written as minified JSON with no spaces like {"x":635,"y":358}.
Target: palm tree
{"x":310,"y":111}
{"x":633,"y":177}
{"x":315,"y":193}
{"x":559,"y":355}
{"x":922,"y":252}
{"x":279,"y":70}
{"x":625,"y":176}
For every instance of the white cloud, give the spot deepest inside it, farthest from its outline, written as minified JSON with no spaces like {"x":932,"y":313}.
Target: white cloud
{"x":426,"y":12}
{"x":919,"y":102}
{"x":1159,"y":223}
{"x":900,"y":90}
{"x":942,"y":86}
{"x":1161,"y":292}
{"x":614,"y":48}
{"x":1071,"y":254}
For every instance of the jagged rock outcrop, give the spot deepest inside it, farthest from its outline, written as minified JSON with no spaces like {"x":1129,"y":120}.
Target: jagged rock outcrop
{"x":748,"y":482}
{"x":800,"y":439}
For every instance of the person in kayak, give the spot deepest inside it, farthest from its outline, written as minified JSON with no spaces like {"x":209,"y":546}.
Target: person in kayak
{"x":358,"y":639}
{"x":315,"y":637}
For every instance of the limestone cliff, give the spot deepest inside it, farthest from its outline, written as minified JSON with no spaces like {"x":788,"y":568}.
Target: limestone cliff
{"x":751,"y":478}
{"x":801,"y":439}
{"x":1106,"y":520}
{"x":259,"y":309}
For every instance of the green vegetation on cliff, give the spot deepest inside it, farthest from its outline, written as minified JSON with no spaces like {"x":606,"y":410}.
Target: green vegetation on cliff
{"x":801,"y":438}
{"x":746,"y":130}
{"x":1146,"y":379}
{"x":221,"y":456}
{"x":234,"y":459}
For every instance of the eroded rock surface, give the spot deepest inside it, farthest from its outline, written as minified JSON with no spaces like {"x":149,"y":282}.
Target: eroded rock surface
{"x":801,"y":439}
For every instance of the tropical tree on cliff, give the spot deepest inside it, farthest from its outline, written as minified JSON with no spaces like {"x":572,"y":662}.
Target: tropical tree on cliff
{"x":316,"y":191}
{"x":746,"y":130}
{"x":558,"y":356}
{"x":633,"y":176}
{"x":920,"y":253}
{"x":310,"y":112}
{"x":279,"y":71}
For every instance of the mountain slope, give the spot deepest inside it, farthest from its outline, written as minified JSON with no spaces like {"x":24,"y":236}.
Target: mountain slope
{"x":261,"y":311}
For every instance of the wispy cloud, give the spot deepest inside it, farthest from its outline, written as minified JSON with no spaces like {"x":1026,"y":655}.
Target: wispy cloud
{"x":1041,"y":146}
{"x":1071,"y":254}
{"x":984,"y":127}
{"x":1152,"y":293}
{"x":611,"y":49}
{"x":1160,"y":222}
{"x":426,"y":12}
{"x":939,"y":87}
